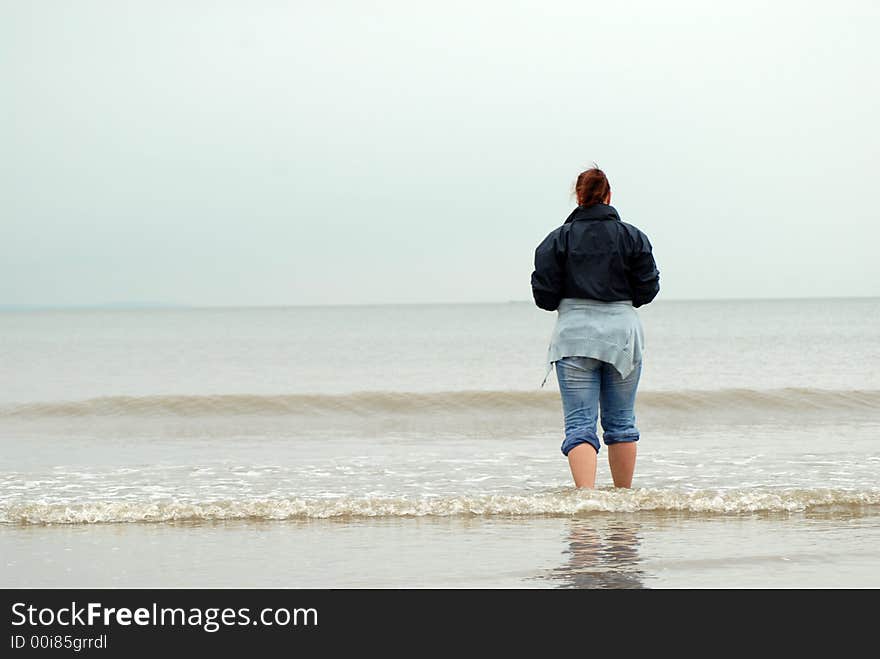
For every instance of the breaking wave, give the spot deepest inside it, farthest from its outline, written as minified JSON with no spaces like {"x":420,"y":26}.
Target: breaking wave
{"x":385,"y":402}
{"x":555,"y":503}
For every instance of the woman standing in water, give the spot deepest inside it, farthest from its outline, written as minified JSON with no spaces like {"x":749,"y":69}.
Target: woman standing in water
{"x":594,"y":270}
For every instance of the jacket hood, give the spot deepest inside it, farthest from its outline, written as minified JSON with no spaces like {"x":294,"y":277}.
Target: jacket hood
{"x":593,"y":212}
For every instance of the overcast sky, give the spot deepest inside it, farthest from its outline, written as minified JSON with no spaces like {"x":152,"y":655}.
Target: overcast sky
{"x":251,"y":153}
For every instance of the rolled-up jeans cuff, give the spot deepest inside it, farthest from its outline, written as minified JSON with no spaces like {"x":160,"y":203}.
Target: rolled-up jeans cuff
{"x":570,"y":443}
{"x":619,"y":438}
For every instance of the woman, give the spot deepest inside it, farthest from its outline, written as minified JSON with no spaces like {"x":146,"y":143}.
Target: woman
{"x":594,"y":270}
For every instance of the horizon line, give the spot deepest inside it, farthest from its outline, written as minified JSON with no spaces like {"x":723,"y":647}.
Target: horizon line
{"x":147,"y":306}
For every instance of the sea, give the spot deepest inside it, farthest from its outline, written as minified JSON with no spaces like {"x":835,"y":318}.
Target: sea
{"x":413,"y":446}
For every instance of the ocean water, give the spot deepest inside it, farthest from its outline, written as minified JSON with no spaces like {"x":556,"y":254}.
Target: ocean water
{"x":413,"y":446}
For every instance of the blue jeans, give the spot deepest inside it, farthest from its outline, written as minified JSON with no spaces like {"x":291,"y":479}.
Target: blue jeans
{"x":586,"y":385}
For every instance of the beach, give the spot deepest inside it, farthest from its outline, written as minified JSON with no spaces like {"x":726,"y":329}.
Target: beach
{"x":412,"y":446}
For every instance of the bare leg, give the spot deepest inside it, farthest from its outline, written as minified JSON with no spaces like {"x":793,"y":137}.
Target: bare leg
{"x":622,"y":460}
{"x":582,"y":460}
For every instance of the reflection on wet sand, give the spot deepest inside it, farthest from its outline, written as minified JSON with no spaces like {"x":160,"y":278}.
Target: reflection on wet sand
{"x":601,"y":553}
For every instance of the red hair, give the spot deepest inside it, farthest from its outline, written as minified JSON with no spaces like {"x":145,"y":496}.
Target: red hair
{"x":592,"y":187}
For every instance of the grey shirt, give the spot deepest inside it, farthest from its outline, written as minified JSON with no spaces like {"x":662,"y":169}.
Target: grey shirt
{"x":608,"y":331}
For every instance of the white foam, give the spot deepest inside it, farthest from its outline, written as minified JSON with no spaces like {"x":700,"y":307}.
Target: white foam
{"x":565,"y":502}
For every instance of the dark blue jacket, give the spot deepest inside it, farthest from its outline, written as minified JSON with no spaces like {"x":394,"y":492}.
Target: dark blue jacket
{"x":594,"y":255}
